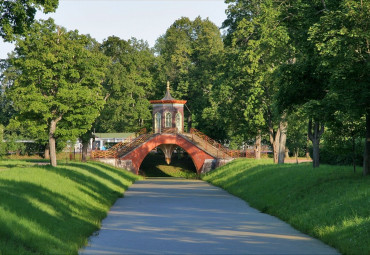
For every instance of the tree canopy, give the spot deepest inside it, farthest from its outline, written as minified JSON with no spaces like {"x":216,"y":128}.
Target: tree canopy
{"x":16,"y":16}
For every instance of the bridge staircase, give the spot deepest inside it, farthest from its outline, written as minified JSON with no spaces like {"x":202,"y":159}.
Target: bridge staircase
{"x":208,"y":144}
{"x":196,"y":137}
{"x":134,"y":144}
{"x":122,"y":148}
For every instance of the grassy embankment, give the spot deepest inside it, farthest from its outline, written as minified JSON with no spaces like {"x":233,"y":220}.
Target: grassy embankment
{"x":330,"y":203}
{"x":45,"y":210}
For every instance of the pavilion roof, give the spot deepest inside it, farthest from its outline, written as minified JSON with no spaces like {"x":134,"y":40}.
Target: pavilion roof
{"x":168,"y":96}
{"x":168,"y":99}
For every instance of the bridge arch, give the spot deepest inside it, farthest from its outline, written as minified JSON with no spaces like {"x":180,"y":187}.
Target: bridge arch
{"x":197,"y":155}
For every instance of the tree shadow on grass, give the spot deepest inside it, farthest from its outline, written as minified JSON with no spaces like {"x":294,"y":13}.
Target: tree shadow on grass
{"x":96,"y":172}
{"x":91,"y":186}
{"x":34,"y":228}
{"x":120,"y":172}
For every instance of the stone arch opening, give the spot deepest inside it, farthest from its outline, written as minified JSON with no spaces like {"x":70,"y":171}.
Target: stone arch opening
{"x":155,"y":164}
{"x":197,"y":155}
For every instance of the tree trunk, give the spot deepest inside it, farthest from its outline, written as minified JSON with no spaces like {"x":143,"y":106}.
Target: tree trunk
{"x":257,"y":146}
{"x":316,"y":152}
{"x":296,"y":155}
{"x":274,"y":140}
{"x":85,"y":146}
{"x":283,"y":128}
{"x":366,"y":166}
{"x":47,"y":151}
{"x":53,"y":153}
{"x":315,"y":136}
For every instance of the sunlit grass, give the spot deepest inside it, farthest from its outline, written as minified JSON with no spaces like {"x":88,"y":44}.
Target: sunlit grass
{"x":45,"y":210}
{"x":330,"y":203}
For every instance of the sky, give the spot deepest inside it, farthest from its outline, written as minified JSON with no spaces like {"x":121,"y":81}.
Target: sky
{"x":143,"y":19}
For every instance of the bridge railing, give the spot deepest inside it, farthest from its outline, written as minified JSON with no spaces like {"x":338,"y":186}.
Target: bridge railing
{"x":209,"y":141}
{"x":103,"y":154}
{"x":225,"y":151}
{"x":119,"y":147}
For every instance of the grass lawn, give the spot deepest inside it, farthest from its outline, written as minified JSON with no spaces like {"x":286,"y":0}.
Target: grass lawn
{"x":330,"y":203}
{"x":45,"y":210}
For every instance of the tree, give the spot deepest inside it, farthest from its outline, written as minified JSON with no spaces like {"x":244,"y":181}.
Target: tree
{"x":128,"y":85}
{"x":342,"y":40}
{"x":190,"y":53}
{"x":301,"y":80}
{"x":7,"y":76}
{"x":257,"y":44}
{"x":58,"y":87}
{"x":16,"y":16}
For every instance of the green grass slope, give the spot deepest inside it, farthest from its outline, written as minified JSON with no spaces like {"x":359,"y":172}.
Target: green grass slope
{"x":45,"y":210}
{"x":330,"y":203}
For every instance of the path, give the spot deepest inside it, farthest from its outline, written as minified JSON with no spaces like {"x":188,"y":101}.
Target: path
{"x":175,"y":216}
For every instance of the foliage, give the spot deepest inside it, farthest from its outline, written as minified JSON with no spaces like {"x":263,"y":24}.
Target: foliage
{"x":297,"y":132}
{"x":341,"y":38}
{"x":47,"y":210}
{"x":309,"y":200}
{"x":128,"y":85}
{"x":17,"y":16}
{"x":343,"y":143}
{"x":341,"y":151}
{"x":257,"y":43}
{"x":7,"y":76}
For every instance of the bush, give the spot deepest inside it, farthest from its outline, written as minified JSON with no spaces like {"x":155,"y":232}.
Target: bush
{"x":341,"y":152}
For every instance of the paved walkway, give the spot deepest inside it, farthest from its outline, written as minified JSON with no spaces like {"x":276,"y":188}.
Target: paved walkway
{"x":175,"y":216}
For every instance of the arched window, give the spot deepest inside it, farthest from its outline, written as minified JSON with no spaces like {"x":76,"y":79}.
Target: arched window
{"x":178,"y":122}
{"x":157,"y":123}
{"x":168,"y":122}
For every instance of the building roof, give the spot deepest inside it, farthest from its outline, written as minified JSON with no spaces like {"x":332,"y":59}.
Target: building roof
{"x":168,"y":96}
{"x":168,"y":99}
{"x":113,"y":135}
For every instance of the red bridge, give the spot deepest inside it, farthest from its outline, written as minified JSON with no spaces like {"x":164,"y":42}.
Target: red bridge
{"x":168,"y":126}
{"x":205,"y":153}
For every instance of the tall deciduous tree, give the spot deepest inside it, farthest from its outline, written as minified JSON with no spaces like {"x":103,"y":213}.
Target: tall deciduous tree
{"x":16,"y":16}
{"x":301,"y":81}
{"x":128,"y":85}
{"x":257,"y":44}
{"x":342,"y":38}
{"x":58,"y":87}
{"x":190,"y":52}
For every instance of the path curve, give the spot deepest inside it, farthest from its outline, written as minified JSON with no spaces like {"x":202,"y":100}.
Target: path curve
{"x":176,"y":216}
